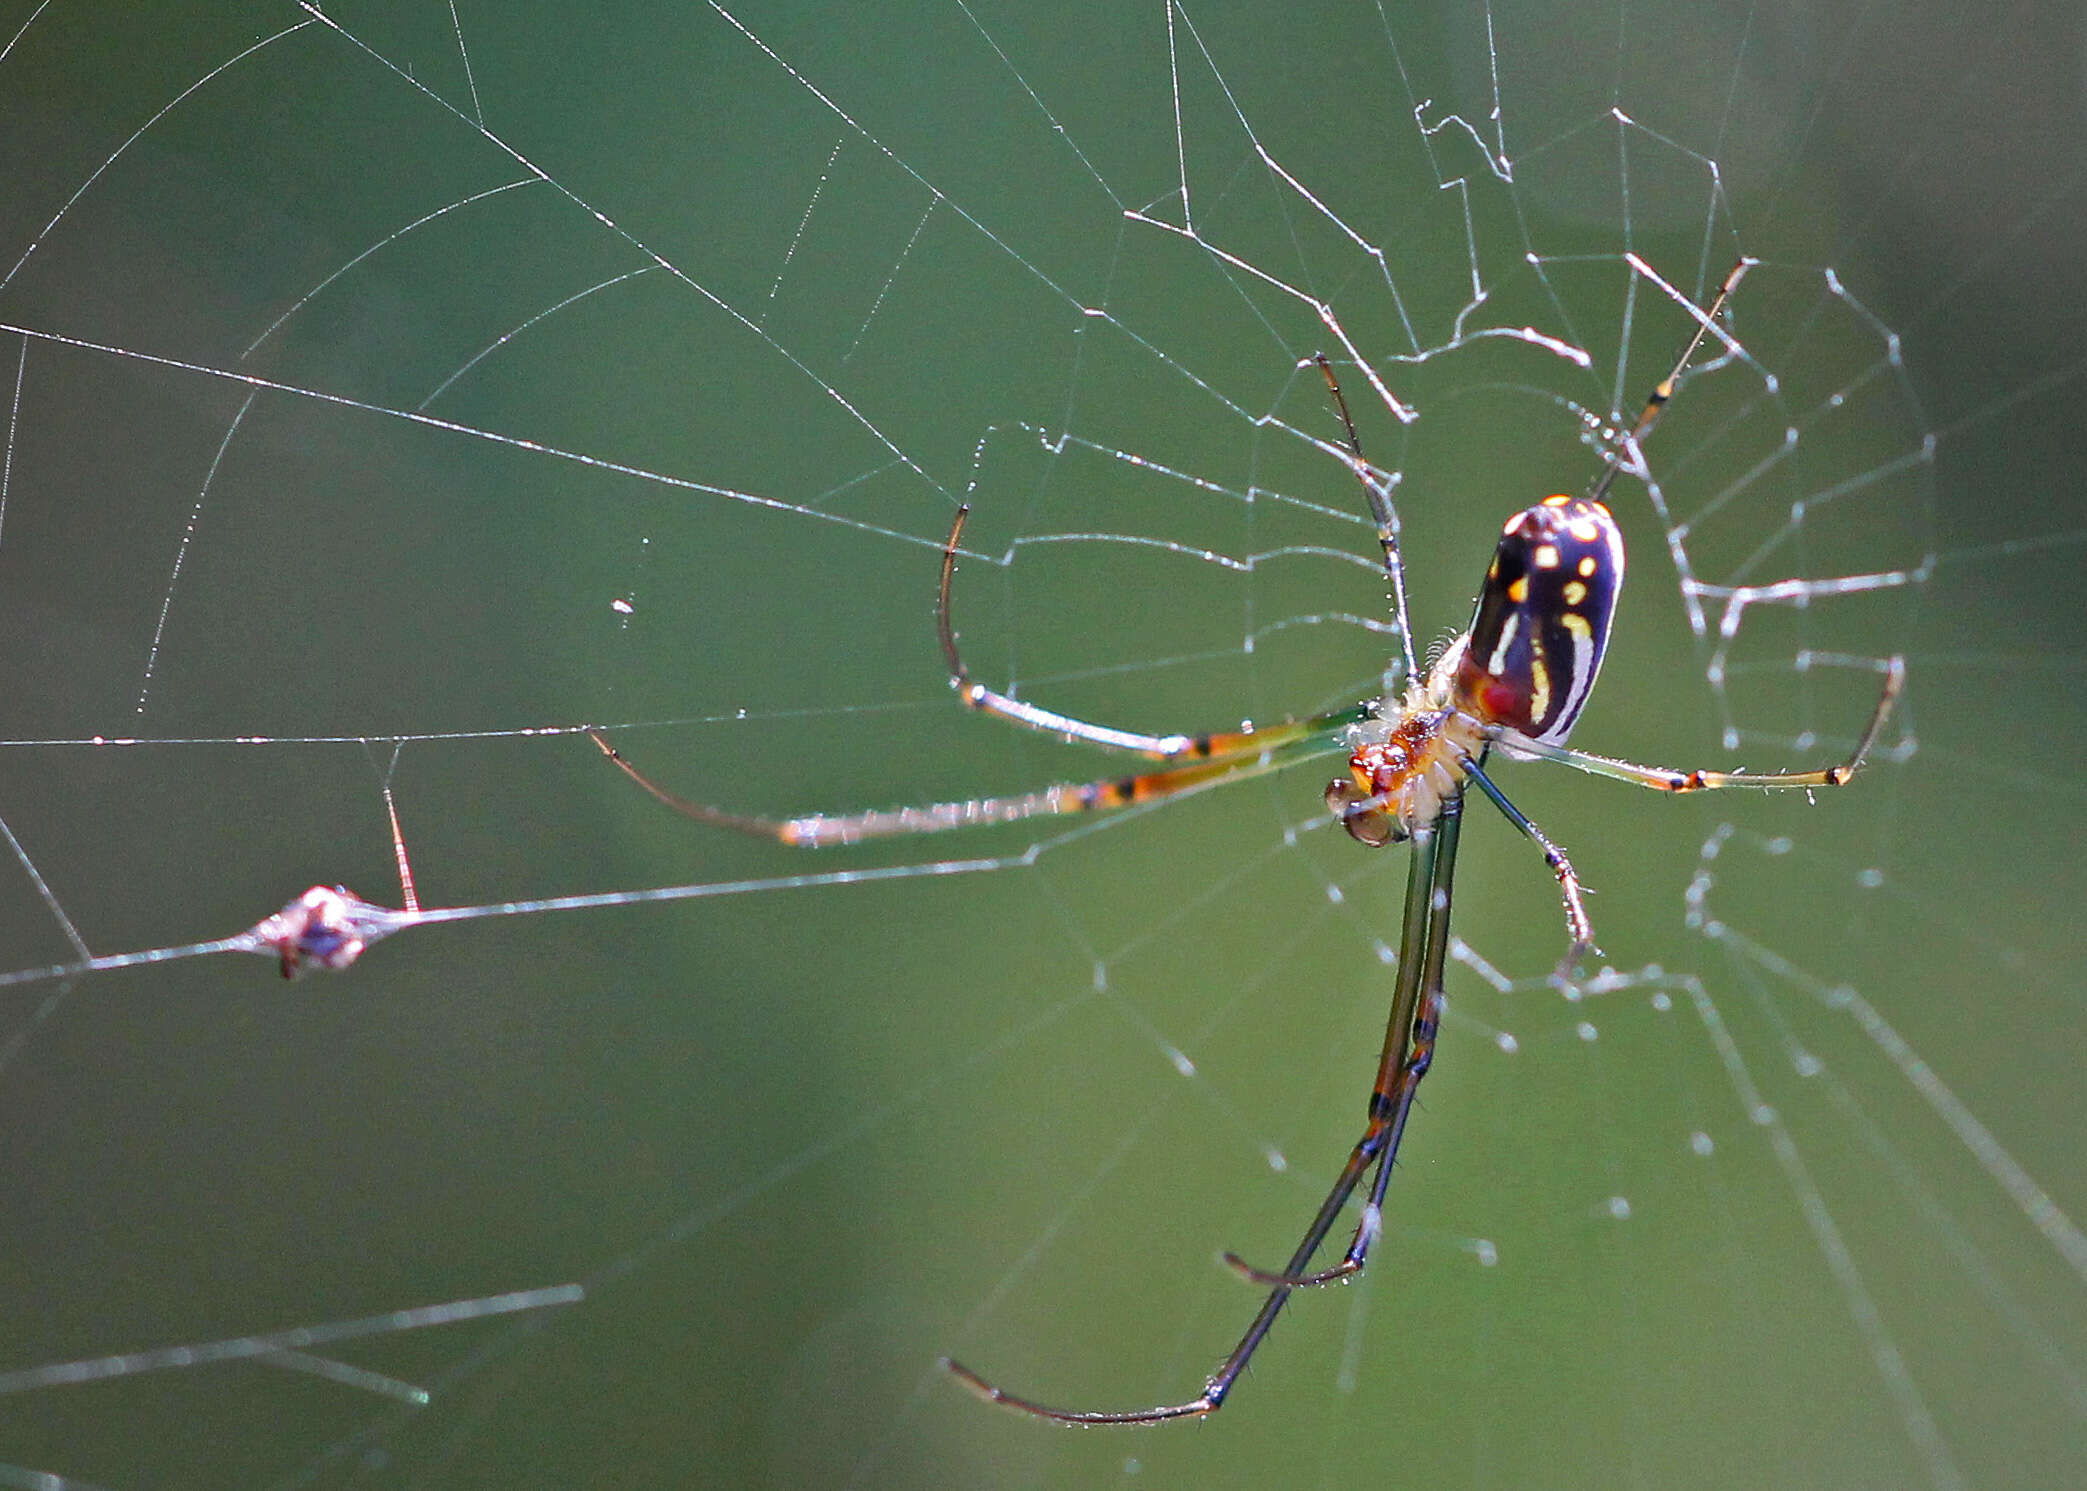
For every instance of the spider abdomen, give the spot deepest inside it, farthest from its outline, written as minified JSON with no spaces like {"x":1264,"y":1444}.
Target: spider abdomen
{"x":1526,"y":666}
{"x":1542,"y":620}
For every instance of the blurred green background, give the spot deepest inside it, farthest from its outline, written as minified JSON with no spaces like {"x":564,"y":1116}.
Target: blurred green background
{"x":541,"y":295}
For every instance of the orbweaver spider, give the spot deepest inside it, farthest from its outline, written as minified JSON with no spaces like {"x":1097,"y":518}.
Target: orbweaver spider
{"x":1516,"y":679}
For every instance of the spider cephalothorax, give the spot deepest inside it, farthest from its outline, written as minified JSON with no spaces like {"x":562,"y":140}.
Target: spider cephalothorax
{"x":1407,"y":759}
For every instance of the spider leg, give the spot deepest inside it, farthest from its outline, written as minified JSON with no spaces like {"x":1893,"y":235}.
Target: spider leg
{"x":1213,"y":755}
{"x":1388,"y":1129}
{"x":1380,"y":513}
{"x":1667,"y":779}
{"x":1408,"y":1048}
{"x":1664,"y":389}
{"x":1264,"y":751}
{"x":975,"y":695}
{"x":1578,"y":926}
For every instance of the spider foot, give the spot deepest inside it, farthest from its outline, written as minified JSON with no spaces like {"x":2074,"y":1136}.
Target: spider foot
{"x":1347,"y":1268}
{"x":1565,"y":978}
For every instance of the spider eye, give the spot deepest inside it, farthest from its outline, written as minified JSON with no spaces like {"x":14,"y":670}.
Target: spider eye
{"x":1542,"y":620}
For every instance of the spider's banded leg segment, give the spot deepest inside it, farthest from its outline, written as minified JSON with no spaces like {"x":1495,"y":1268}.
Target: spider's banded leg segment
{"x":1664,"y":389}
{"x":1270,"y":750}
{"x":1380,"y":510}
{"x":1409,"y":1043}
{"x":1577,"y":925}
{"x":1667,"y":779}
{"x":1380,"y":513}
{"x":975,"y":695}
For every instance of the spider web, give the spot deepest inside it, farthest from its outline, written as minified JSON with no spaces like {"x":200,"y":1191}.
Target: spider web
{"x":398,"y":391}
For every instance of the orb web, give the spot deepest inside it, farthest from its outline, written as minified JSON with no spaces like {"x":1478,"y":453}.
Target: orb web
{"x":400,"y":393}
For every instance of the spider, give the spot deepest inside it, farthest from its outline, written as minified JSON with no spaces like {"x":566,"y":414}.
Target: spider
{"x":1517,"y":679}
